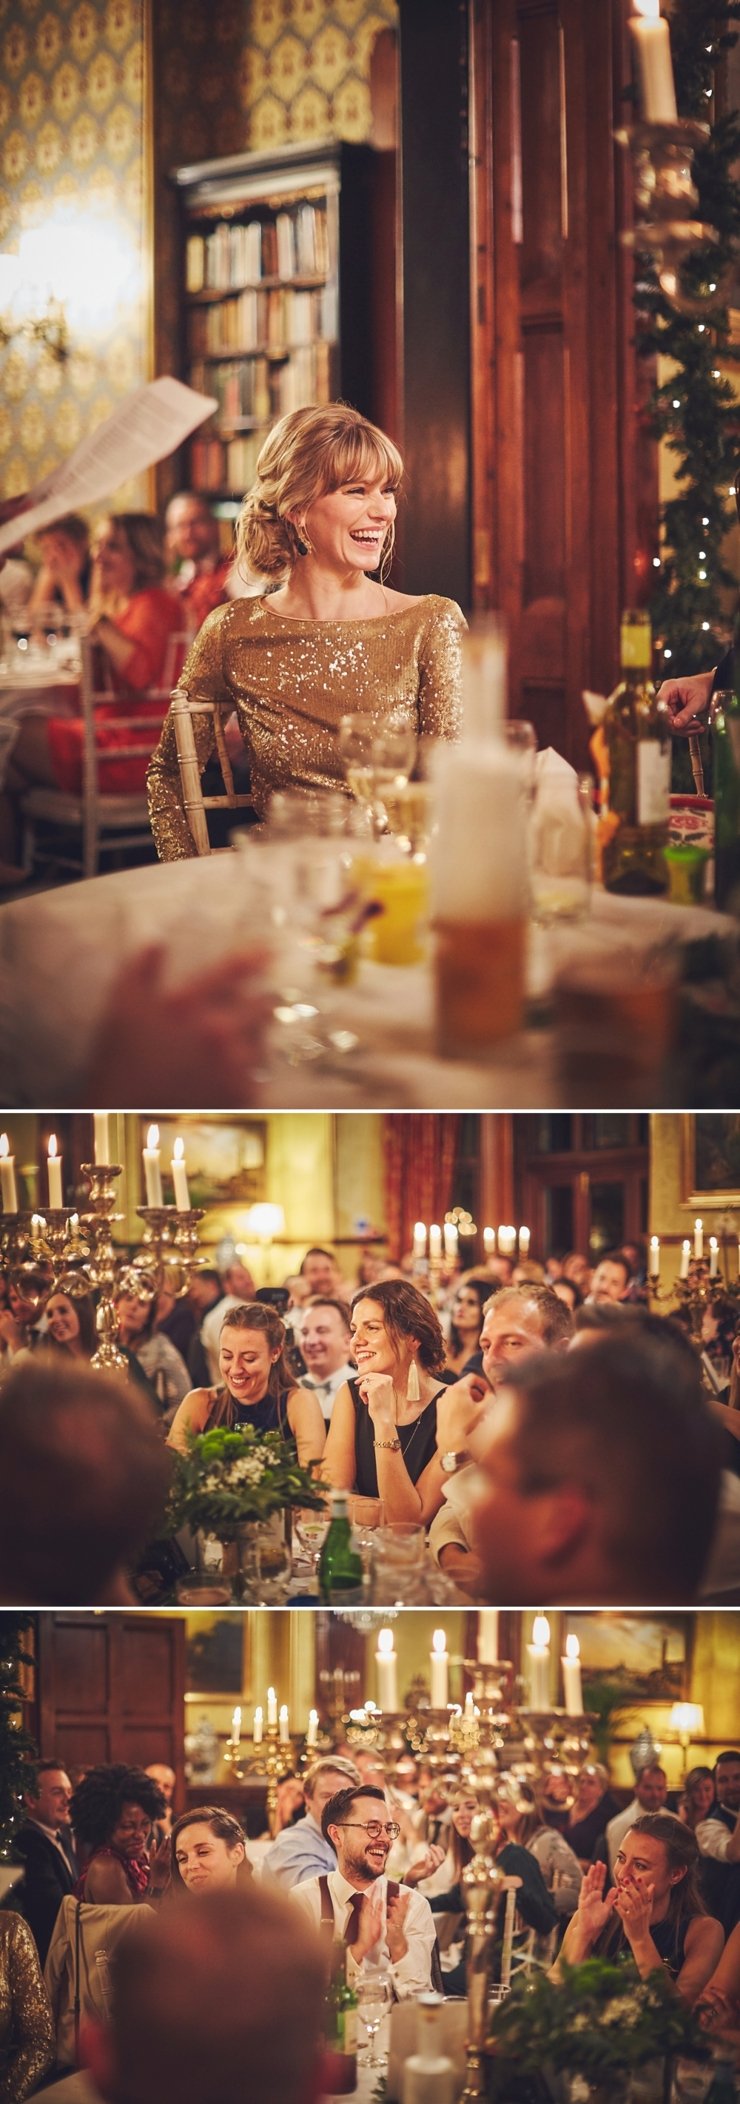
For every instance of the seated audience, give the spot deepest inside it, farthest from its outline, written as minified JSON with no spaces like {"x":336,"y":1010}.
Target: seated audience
{"x":612,"y":1278}
{"x":718,"y":1836}
{"x":44,"y":1843}
{"x":26,"y":2031}
{"x":159,"y":1772}
{"x":208,"y":1851}
{"x":592,"y":1808}
{"x":325,"y":1346}
{"x":520,"y":1871}
{"x":237,"y":1287}
{"x":465,"y":1325}
{"x":83,"y":1485}
{"x":303,"y":1851}
{"x":697,"y":1796}
{"x":71,"y":1330}
{"x":654,"y":1909}
{"x":363,"y":1909}
{"x":113,"y":1810}
{"x":256,"y":1388}
{"x":321,"y":1275}
{"x":382,"y":1437}
{"x":651,"y":1790}
{"x":200,"y":573}
{"x":719,"y":2002}
{"x":152,"y":1352}
{"x":63,"y":576}
{"x":520,"y":1817}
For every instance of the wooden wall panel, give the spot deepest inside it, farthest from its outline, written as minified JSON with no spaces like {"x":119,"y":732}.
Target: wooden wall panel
{"x":112,"y":1688}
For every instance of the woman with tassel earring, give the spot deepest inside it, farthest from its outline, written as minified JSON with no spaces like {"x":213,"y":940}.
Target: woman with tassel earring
{"x":382,"y":1436}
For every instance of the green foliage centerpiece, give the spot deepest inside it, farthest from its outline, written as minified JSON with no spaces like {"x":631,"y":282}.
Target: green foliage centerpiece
{"x":594,"y":2025}
{"x":228,"y":1481}
{"x":17,"y":1748}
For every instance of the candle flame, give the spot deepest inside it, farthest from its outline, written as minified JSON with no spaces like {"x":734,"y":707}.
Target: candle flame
{"x":697,"y":1225}
{"x":541,"y":1631}
{"x":439,"y":1642}
{"x":572,"y":1647}
{"x":4,"y":1145}
{"x":52,"y":1146}
{"x":385,"y":1642}
{"x":152,"y":1138}
{"x":271,"y":1694}
{"x":650,"y":9}
{"x":178,"y":1150}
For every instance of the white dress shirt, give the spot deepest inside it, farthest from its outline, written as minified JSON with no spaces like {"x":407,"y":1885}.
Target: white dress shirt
{"x":328,"y":1389}
{"x":714,"y":1838}
{"x":412,"y":1974}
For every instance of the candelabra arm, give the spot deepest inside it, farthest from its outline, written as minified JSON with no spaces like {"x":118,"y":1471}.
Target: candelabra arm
{"x":481,"y":1883}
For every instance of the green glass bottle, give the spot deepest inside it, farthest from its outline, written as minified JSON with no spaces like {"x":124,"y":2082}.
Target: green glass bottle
{"x":638,"y":743}
{"x":723,"y":2087}
{"x":340,"y":2025}
{"x":340,"y":1562}
{"x":725,"y":728}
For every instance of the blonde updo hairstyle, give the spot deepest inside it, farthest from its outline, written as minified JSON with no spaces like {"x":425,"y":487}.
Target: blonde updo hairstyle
{"x":307,"y":454}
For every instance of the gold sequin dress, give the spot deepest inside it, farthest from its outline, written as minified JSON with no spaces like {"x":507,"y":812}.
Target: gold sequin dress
{"x":26,"y":2033}
{"x":291,"y":680}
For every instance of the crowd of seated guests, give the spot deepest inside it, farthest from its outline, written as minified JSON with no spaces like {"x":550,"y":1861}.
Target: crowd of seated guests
{"x":663,"y":1889}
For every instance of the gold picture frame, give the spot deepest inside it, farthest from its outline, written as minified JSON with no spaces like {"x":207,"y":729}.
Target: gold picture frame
{"x":710,"y":1160}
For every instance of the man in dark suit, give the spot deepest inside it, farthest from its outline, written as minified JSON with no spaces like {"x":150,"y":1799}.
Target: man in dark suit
{"x":44,"y":1841}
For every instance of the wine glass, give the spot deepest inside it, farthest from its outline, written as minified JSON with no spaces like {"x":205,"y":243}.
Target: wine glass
{"x":374,"y":1996}
{"x":310,"y":1529}
{"x":377,"y":759}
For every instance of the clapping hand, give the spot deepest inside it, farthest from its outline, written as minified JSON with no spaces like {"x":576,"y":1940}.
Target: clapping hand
{"x":593,"y":1910}
{"x":634,"y":1905}
{"x":426,"y":1864}
{"x":397,"y":1909}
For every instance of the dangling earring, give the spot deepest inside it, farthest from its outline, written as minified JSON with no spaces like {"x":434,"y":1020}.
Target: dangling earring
{"x":413,"y":1391}
{"x":301,"y":546}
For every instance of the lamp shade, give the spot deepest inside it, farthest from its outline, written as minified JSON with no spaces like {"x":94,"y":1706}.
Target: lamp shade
{"x":265,"y":1221}
{"x":688,"y":1717}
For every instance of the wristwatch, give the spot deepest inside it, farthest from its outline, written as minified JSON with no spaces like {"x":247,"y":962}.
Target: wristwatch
{"x":450,"y":1462}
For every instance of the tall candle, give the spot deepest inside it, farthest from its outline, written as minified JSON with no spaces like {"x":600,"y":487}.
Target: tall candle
{"x":655,"y":72}
{"x":572,"y":1689}
{"x":179,"y":1177}
{"x":713,"y":1256}
{"x":312,"y":1734}
{"x":284,"y":1725}
{"x":438,"y":1661}
{"x":524,"y":1241}
{"x":385,"y":1660}
{"x":54,"y":1166}
{"x":258,"y":1723}
{"x":685,"y":1255}
{"x":507,"y":1241}
{"x":101,"y":1139}
{"x":236,"y":1727}
{"x":450,"y":1238}
{"x":420,"y":1239}
{"x":489,"y":1240}
{"x":8,"y":1187}
{"x":487,"y":1636}
{"x":152,"y":1171}
{"x":272,"y":1710}
{"x":654,"y":1259}
{"x":435,"y":1241}
{"x":469,"y":1704}
{"x":698,"y":1240}
{"x":538,"y":1653}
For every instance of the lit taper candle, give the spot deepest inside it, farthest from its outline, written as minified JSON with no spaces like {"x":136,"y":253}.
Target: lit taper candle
{"x":54,"y":1167}
{"x":8,"y":1186}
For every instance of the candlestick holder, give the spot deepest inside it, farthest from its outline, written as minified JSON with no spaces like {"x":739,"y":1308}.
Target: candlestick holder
{"x":269,"y":1760}
{"x":700,"y":1291}
{"x":169,"y":1247}
{"x":666,"y":204}
{"x":481,"y":1882}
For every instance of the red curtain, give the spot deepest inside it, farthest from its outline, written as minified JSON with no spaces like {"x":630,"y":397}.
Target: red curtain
{"x":419,"y":1165}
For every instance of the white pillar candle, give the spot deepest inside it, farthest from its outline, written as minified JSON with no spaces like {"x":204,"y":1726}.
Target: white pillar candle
{"x":54,"y":1167}
{"x":439,"y":1664}
{"x":524,"y":1241}
{"x":654,"y":1258}
{"x":284,"y":1725}
{"x":8,"y":1187}
{"x":435,"y":1241}
{"x":507,"y":1241}
{"x":713,"y":1256}
{"x":257,"y":1727}
{"x":101,"y":1139}
{"x":450,"y":1238}
{"x":469,"y":1704}
{"x":38,"y":1224}
{"x":489,"y":1240}
{"x":572,"y":1689}
{"x":272,"y":1709}
{"x":236,"y":1727}
{"x":538,"y":1653}
{"x":385,"y":1660}
{"x":152,"y":1171}
{"x":685,"y":1255}
{"x":420,"y":1239}
{"x":312,"y":1734}
{"x":698,"y":1240}
{"x":179,"y":1177}
{"x":655,"y":72}
{"x":487,"y":1636}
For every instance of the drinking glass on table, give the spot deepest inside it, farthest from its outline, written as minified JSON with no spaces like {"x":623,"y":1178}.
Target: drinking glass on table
{"x":377,"y":761}
{"x":310,"y":1530}
{"x":374,"y":1998}
{"x":562,"y":850}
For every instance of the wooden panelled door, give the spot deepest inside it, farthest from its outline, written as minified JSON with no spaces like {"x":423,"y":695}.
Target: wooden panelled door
{"x":555,"y":465}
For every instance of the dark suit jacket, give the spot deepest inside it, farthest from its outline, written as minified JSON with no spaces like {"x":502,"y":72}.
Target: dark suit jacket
{"x":47,"y":1880}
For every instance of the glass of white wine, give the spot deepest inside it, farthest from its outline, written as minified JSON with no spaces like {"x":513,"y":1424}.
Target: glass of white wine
{"x":374,"y":1998}
{"x":377,"y":761}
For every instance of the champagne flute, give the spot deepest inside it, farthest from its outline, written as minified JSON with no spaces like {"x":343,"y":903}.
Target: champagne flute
{"x":377,"y":760}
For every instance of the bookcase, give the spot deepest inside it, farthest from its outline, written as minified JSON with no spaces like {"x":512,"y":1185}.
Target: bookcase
{"x":280,"y":270}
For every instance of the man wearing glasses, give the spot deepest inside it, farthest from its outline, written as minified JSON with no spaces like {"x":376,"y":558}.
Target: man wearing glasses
{"x":357,"y":1905}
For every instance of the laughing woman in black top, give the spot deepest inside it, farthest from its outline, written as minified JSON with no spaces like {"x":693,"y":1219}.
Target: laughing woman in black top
{"x":382,"y":1436}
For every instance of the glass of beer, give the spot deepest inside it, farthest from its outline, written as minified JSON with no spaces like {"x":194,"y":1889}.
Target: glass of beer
{"x":478,"y":863}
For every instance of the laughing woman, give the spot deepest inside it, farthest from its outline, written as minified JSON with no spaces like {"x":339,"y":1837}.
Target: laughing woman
{"x":327,"y":635}
{"x":256,"y":1387}
{"x":382,"y":1435}
{"x":655,"y":1908}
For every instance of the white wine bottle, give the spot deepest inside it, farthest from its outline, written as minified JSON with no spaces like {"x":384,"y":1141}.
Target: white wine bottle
{"x":638,"y":744}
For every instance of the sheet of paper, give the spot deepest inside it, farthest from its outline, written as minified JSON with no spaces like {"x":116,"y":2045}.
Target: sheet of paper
{"x":148,"y":426}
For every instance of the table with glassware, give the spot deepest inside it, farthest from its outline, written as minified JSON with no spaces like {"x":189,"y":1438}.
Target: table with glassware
{"x":39,"y":674}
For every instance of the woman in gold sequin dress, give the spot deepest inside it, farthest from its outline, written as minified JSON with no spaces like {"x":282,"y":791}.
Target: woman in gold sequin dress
{"x":332,"y":637}
{"x":26,"y":2035}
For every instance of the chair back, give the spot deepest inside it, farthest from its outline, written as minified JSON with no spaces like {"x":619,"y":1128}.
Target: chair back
{"x":195,"y":804}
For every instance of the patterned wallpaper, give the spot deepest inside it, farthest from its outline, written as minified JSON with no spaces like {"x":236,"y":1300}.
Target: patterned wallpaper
{"x":244,"y":75}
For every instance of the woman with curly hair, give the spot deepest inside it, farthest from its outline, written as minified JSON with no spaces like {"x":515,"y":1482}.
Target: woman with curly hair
{"x":327,"y":634}
{"x":208,"y":1851}
{"x":382,"y":1435}
{"x":257,"y":1388}
{"x":113,"y":1810}
{"x":654,"y":1910}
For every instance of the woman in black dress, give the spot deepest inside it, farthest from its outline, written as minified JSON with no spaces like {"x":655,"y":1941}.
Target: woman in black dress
{"x":654,"y":1912}
{"x":382,"y":1441}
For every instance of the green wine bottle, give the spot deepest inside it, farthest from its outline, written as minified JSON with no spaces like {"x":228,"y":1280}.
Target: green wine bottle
{"x":725,"y":727}
{"x":638,"y":743}
{"x":340,"y":2025}
{"x":340,"y":1562}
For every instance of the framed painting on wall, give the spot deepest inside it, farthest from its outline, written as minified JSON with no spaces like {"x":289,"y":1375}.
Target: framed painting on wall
{"x":225,"y":1157}
{"x":711,"y":1159}
{"x":640,"y":1656}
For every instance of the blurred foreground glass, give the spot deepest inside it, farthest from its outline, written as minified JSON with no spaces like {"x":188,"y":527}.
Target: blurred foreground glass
{"x":479,"y":885}
{"x":394,"y":889}
{"x":562,"y":840}
{"x":377,"y":759}
{"x":302,"y":888}
{"x":616,"y":1021}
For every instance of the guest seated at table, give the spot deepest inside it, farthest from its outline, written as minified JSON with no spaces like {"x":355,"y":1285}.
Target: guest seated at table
{"x":718,"y":2007}
{"x":71,"y":1330}
{"x":533,"y":1903}
{"x":302,"y":1850}
{"x":113,"y":1811}
{"x":208,"y":1851}
{"x":131,"y":617}
{"x":370,"y":1913}
{"x":200,"y":571}
{"x":149,"y":1352}
{"x":592,"y":1808}
{"x":26,"y":2031}
{"x":257,"y":1388}
{"x":697,"y":1797}
{"x":520,"y":1817}
{"x":327,"y":635}
{"x":63,"y":576}
{"x":465,"y":1325}
{"x":654,"y":1909}
{"x":382,"y":1437}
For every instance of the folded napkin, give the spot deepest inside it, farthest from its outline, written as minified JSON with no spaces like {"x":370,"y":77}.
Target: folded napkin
{"x":560,"y":817}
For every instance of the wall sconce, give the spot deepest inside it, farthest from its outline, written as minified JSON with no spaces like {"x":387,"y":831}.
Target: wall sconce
{"x":263,"y":1223}
{"x":23,"y":313}
{"x":687,"y":1720}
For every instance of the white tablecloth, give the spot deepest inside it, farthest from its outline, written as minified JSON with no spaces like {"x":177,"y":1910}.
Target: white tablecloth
{"x":61,"y":950}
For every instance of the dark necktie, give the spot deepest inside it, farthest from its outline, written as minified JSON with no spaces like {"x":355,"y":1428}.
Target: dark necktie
{"x":352,"y":1928}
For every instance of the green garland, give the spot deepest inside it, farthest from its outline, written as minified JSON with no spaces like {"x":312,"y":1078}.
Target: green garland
{"x":695,"y":411}
{"x":17,"y":1749}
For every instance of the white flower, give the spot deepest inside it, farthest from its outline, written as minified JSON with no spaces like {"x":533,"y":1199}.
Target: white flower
{"x":579,"y":2090}
{"x":581,"y":2021}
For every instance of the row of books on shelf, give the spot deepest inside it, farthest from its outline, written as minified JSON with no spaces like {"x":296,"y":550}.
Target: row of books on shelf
{"x":287,"y":244}
{"x":262,"y":389}
{"x":277,"y":321}
{"x":231,"y":463}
